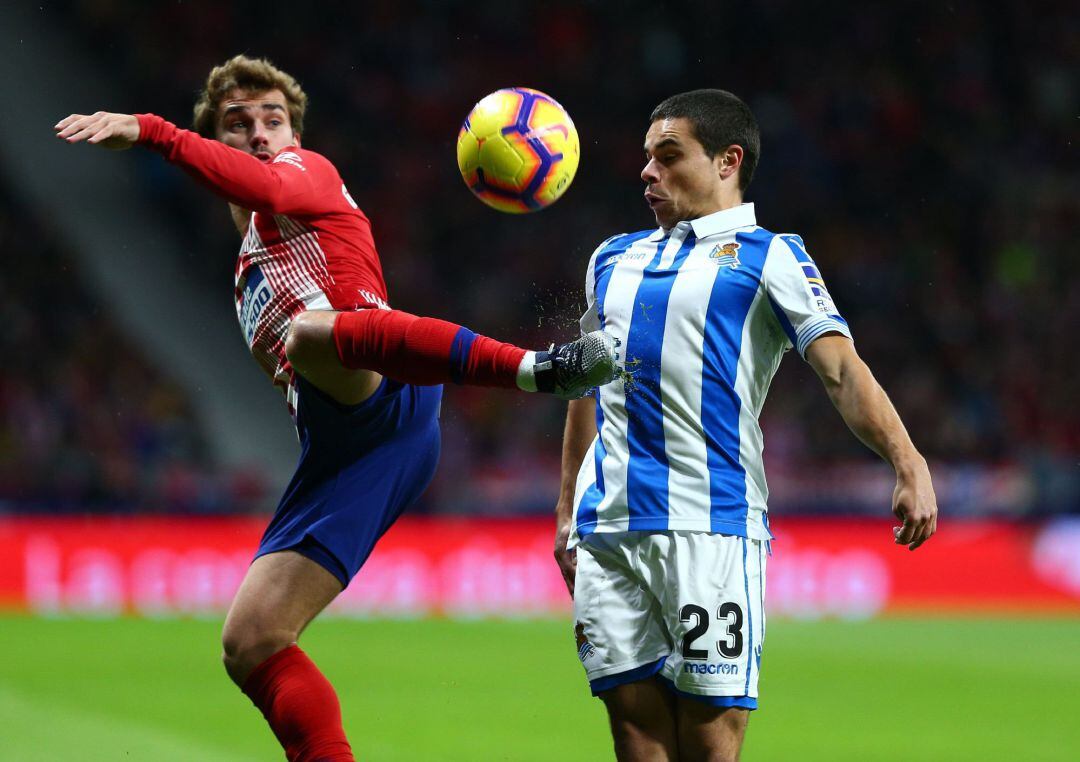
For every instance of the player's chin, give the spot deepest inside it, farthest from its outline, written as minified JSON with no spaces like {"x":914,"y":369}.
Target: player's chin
{"x":664,"y":211}
{"x":665,"y":221}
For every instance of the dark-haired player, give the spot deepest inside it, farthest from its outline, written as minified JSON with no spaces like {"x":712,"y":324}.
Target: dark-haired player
{"x":361,"y":379}
{"x":663,"y":491}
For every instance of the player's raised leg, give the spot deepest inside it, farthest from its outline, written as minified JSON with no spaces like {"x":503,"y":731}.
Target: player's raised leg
{"x":710,"y":733}
{"x":280,"y":595}
{"x":424,"y":351}
{"x":643,"y":722}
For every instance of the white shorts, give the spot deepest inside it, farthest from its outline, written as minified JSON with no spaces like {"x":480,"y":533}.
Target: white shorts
{"x":685,"y":606}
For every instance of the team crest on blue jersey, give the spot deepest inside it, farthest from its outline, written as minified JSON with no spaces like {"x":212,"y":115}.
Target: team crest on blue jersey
{"x":726,"y":255}
{"x":585,"y":649}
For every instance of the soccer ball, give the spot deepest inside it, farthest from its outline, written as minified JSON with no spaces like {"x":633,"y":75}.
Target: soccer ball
{"x":518,"y":150}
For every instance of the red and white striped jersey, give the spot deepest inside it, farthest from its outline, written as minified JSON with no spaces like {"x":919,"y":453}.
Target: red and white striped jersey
{"x":308,"y":245}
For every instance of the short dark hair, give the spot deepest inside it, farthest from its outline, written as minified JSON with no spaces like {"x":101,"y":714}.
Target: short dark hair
{"x":718,"y":119}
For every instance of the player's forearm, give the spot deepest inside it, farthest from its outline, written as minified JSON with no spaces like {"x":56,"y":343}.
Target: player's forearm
{"x":577,"y":436}
{"x":870,"y":415}
{"x":231,"y":174}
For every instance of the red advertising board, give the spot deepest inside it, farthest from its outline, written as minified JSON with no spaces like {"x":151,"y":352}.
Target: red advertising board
{"x":479,"y":567}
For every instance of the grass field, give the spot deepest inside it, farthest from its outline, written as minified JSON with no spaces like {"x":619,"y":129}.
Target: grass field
{"x":901,"y":689}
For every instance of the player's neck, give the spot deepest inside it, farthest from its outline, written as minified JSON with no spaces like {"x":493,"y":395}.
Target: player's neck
{"x":728,"y":198}
{"x":723,"y":202}
{"x":240,"y":217}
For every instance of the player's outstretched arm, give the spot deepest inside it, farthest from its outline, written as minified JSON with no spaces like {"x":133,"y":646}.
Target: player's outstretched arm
{"x":115,"y":131}
{"x":868,"y":412}
{"x":577,"y":436}
{"x":239,"y":178}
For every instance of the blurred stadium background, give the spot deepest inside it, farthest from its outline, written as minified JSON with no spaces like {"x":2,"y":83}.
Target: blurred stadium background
{"x":925,"y":151}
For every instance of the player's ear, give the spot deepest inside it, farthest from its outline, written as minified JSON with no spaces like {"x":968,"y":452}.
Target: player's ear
{"x":728,"y":161}
{"x":296,"y":139}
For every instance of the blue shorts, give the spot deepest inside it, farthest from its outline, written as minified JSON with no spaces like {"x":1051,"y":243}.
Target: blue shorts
{"x":360,"y":467}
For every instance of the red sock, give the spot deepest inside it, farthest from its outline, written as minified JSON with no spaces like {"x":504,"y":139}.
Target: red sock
{"x":301,"y":707}
{"x":424,"y":351}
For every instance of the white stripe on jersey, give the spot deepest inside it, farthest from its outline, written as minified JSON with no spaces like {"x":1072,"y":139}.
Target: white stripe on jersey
{"x":304,"y":243}
{"x":688,"y":477}
{"x":297,"y":270}
{"x":623,"y":287}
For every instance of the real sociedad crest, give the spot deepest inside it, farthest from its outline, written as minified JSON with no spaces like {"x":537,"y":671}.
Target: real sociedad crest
{"x":585,"y":648}
{"x":726,"y":255}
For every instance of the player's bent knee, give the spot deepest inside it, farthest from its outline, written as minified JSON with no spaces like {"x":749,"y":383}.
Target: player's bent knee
{"x":240,"y":641}
{"x":309,"y":338}
{"x":246,"y":647}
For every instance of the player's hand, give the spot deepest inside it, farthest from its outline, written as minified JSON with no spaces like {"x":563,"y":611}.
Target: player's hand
{"x":915,"y":504}
{"x":566,"y":559}
{"x":115,"y":131}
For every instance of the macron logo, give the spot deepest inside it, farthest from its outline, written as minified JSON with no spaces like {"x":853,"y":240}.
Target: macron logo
{"x":288,"y":157}
{"x":711,"y":669}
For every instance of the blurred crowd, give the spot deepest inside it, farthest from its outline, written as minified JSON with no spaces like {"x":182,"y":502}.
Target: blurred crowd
{"x":924,"y":151}
{"x":86,"y":421}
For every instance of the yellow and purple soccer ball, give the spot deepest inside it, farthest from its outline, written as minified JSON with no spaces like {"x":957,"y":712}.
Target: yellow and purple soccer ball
{"x":518,"y":150}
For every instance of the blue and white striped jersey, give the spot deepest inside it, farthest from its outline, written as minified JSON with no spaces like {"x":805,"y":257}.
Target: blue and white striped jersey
{"x":705,"y":312}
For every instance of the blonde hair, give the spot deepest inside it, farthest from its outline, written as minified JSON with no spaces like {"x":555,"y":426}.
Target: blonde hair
{"x":252,"y":75}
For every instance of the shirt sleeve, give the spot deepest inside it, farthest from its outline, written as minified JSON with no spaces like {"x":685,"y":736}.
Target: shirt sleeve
{"x":798,"y":295}
{"x":289,"y":184}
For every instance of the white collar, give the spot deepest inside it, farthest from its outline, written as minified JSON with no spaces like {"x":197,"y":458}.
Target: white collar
{"x":741,"y":216}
